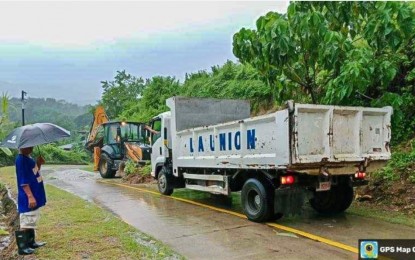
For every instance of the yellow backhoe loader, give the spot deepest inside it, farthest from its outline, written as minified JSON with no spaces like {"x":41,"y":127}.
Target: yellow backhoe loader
{"x":114,"y":142}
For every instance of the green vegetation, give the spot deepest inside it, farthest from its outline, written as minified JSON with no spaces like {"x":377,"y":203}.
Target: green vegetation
{"x":401,"y":166}
{"x":39,"y":110}
{"x":132,"y":168}
{"x":5,"y":127}
{"x":228,"y":81}
{"x":371,"y":211}
{"x":69,"y":226}
{"x":55,"y":155}
{"x":121,"y":93}
{"x":341,"y":53}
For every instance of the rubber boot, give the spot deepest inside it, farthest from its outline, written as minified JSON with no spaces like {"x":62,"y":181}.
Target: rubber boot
{"x":22,"y":238}
{"x":32,"y":242}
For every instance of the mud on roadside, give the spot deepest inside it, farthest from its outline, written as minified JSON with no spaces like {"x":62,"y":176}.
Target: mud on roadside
{"x":137,"y":178}
{"x":397,"y":196}
{"x":9,"y":222}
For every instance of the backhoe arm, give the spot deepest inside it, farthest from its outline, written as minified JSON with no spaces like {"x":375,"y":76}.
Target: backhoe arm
{"x":100,"y":117}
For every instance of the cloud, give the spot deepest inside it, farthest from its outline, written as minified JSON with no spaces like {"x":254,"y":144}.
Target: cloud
{"x":64,"y":49}
{"x":83,"y":24}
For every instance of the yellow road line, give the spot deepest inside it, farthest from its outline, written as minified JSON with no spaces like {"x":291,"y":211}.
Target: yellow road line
{"x":314,"y":237}
{"x":274,"y":225}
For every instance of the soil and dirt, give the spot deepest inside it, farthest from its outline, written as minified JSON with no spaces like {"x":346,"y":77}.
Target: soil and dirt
{"x":137,"y":178}
{"x":393,"y":188}
{"x":9,"y":222}
{"x":389,"y":196}
{"x":137,"y":175}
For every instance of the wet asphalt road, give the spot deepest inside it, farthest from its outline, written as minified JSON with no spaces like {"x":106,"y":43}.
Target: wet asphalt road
{"x":200,"y":233}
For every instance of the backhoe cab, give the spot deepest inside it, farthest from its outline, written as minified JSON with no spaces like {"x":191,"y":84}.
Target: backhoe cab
{"x":114,"y":142}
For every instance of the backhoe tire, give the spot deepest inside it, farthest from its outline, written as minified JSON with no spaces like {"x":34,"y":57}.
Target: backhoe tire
{"x":334,"y":201}
{"x":105,"y":166}
{"x":165,"y":182}
{"x":256,"y":200}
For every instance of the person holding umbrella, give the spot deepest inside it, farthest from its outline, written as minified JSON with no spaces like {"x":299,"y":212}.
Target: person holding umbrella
{"x":31,"y":197}
{"x":31,"y":192}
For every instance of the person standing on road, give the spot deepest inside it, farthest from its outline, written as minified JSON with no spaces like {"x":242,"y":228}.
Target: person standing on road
{"x":31,"y":197}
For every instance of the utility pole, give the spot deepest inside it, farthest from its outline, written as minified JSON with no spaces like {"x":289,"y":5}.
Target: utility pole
{"x":23,"y":105}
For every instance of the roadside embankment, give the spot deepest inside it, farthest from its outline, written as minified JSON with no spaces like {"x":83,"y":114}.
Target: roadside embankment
{"x":8,"y":224}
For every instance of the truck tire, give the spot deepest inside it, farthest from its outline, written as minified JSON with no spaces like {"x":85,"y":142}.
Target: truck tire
{"x":165,"y":182}
{"x":105,"y":166}
{"x":345,"y":198}
{"x":334,"y":201}
{"x":256,"y":201}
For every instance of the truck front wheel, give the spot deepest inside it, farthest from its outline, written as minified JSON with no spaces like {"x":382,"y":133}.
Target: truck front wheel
{"x":256,"y":201}
{"x":105,"y":166}
{"x":334,"y":201}
{"x":165,"y":182}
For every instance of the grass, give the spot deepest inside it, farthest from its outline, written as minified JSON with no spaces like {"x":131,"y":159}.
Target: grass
{"x":76,"y":229}
{"x":395,"y":217}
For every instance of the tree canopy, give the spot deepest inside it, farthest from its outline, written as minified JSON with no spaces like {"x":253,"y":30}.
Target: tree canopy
{"x":332,"y":52}
{"x":121,"y":92}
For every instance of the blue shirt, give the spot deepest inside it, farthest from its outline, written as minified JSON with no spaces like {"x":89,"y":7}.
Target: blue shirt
{"x":28,"y":174}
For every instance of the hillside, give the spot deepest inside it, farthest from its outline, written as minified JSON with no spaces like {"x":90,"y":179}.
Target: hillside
{"x":60,"y":112}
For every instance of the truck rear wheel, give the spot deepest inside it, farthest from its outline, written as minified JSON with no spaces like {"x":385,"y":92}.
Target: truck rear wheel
{"x":105,"y":166}
{"x":165,"y":182}
{"x":334,"y":201}
{"x":256,"y":201}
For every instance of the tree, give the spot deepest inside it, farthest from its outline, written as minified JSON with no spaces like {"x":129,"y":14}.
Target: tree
{"x":153,"y":100}
{"x":121,"y":92}
{"x":331,"y":52}
{"x":4,"y":123}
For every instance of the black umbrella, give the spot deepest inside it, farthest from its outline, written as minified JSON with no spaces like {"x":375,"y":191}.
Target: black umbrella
{"x":32,"y":135}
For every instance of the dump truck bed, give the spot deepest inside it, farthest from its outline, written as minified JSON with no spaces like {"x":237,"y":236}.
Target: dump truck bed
{"x":304,"y":138}
{"x":339,"y":134}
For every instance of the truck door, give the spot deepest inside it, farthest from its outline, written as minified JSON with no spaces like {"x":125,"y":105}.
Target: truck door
{"x":156,"y":145}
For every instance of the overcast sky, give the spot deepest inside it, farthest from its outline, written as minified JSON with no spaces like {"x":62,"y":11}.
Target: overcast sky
{"x":64,"y":49}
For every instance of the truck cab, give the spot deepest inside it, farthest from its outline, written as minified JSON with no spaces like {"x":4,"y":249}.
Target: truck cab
{"x":160,"y":141}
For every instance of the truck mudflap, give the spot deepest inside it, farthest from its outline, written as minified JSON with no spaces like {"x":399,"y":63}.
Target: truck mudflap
{"x":289,"y":200}
{"x":357,"y":183}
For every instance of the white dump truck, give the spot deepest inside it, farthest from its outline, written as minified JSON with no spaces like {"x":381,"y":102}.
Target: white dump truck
{"x":277,"y":161}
